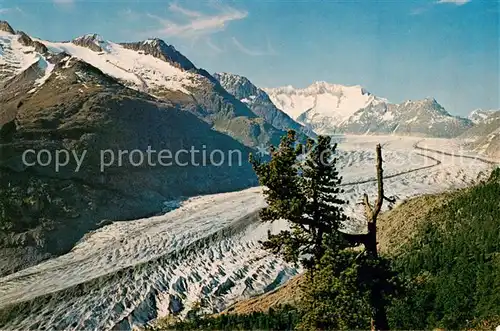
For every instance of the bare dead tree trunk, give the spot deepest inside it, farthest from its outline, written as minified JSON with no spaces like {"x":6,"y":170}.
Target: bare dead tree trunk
{"x":369,"y":240}
{"x":378,"y":303}
{"x":372,"y":213}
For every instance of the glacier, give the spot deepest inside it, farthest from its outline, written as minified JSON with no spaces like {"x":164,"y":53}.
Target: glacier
{"x":129,"y":273}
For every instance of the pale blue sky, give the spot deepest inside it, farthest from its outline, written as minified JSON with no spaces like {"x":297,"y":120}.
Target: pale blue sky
{"x":447,"y":49}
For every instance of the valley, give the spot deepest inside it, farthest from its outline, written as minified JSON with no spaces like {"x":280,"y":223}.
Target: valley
{"x":129,"y":273}
{"x":87,"y":243}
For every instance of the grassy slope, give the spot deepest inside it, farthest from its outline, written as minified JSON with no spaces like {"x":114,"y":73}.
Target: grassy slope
{"x":288,"y":293}
{"x":397,"y":227}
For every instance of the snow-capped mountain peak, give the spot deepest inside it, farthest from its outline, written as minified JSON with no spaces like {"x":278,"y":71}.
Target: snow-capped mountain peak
{"x":18,"y":53}
{"x":138,"y":65}
{"x":155,"y":47}
{"x":319,"y":87}
{"x":322,"y":103}
{"x":232,"y":82}
{"x":90,"y":36}
{"x":431,"y":104}
{"x":325,"y":87}
{"x":333,"y":108}
{"x":422,"y":117}
{"x":151,"y":66}
{"x":159,"y":43}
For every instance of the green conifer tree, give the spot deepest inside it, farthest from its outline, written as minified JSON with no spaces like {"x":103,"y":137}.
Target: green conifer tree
{"x":302,"y":185}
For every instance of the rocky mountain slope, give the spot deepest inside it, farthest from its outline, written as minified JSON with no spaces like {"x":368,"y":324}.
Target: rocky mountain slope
{"x":158,"y":69}
{"x":416,"y":118}
{"x":56,"y":101}
{"x":259,"y":102}
{"x":478,"y":116}
{"x":484,"y":137}
{"x":489,"y":145}
{"x":484,"y":127}
{"x":330,"y":108}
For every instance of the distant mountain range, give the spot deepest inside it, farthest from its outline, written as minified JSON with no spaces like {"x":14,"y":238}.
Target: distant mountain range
{"x":229,"y":103}
{"x":322,"y":105}
{"x":331,"y":108}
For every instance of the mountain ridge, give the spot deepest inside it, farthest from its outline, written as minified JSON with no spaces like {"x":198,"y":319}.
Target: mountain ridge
{"x":151,"y":66}
{"x":259,"y":102}
{"x":479,"y":115}
{"x":484,"y":137}
{"x":157,"y":68}
{"x":334,"y":108}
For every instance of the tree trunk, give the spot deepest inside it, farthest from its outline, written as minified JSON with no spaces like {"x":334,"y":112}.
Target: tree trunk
{"x":380,"y":321}
{"x":369,"y":241}
{"x":378,"y":302}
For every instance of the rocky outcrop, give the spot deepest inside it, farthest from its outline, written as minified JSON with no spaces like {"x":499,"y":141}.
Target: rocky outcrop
{"x":5,"y":26}
{"x":26,"y":40}
{"x":161,"y":50}
{"x":90,"y":41}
